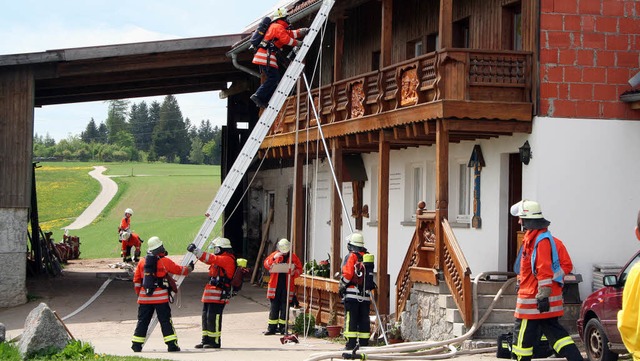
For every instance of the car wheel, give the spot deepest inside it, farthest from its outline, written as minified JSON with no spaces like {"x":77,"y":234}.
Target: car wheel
{"x":596,"y":342}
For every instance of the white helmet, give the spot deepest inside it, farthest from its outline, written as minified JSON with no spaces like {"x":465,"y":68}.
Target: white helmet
{"x":527,"y":209}
{"x":284,"y":246}
{"x":356,"y":239}
{"x":222,"y":242}
{"x":124,"y":235}
{"x":279,"y":13}
{"x":154,"y":243}
{"x":128,"y":210}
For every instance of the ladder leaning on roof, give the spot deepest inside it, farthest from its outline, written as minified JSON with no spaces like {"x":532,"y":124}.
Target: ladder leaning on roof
{"x":250,"y":148}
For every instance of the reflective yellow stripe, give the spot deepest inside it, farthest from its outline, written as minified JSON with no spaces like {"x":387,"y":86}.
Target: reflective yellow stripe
{"x":169,"y":338}
{"x":272,"y":322}
{"x":282,"y":322}
{"x":364,"y":335}
{"x":562,"y":343}
{"x":138,"y":339}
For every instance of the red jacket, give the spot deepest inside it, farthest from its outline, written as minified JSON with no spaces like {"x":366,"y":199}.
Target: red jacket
{"x":133,"y":241}
{"x":165,"y":267}
{"x":277,"y":257}
{"x":226,"y":261}
{"x":280,"y":36}
{"x":125,"y":224}
{"x":526,"y":306}
{"x":349,"y":273}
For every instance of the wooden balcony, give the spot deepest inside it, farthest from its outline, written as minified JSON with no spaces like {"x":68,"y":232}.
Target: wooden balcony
{"x":483,"y":93}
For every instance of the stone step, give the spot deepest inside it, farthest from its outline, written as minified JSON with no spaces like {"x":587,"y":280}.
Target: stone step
{"x":508,"y":301}
{"x":492,"y":288}
{"x":498,"y":315}
{"x":487,"y":331}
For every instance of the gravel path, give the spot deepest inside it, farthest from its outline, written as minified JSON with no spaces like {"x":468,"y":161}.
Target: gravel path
{"x":109,"y":190}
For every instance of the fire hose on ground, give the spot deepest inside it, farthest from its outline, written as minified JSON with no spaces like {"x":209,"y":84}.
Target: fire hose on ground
{"x":427,"y":350}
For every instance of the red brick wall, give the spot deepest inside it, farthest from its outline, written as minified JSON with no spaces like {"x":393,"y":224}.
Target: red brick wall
{"x":589,"y":49}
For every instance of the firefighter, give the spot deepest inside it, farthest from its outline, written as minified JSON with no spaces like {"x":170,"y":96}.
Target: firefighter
{"x":278,"y":35}
{"x":354,"y":288}
{"x":217,"y":292}
{"x":130,"y":240}
{"x":629,"y":315}
{"x":277,"y":288}
{"x":125,"y":223}
{"x":152,"y":282}
{"x":539,"y":305}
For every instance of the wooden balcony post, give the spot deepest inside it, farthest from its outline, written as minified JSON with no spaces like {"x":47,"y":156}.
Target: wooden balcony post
{"x":445,"y":27}
{"x":336,"y":208}
{"x":383,"y":225}
{"x":339,"y":49}
{"x":386,"y":36}
{"x":442,"y":185}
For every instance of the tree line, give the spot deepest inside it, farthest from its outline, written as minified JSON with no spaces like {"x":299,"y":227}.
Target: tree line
{"x":138,"y":133}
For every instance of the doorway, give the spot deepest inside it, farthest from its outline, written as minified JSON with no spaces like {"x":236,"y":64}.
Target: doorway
{"x":515,"y":195}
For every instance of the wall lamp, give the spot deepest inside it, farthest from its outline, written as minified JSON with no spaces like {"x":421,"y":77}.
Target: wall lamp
{"x":525,"y":153}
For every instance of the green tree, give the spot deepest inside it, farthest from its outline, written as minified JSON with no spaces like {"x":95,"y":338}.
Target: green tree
{"x":90,"y":134}
{"x":140,"y":125}
{"x":196,"y":156}
{"x":116,"y":118}
{"x":205,"y":132}
{"x":170,"y":138}
{"x":102,"y":133}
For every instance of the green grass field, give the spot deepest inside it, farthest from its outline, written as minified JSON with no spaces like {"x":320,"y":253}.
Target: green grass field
{"x":168,"y":200}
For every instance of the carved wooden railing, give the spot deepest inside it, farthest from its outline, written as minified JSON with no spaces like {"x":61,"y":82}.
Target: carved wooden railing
{"x":435,"y":249}
{"x":320,"y":299}
{"x":449,"y":74}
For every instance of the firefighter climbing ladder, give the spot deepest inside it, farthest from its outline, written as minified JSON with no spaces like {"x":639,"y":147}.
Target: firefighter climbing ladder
{"x":256,"y":137}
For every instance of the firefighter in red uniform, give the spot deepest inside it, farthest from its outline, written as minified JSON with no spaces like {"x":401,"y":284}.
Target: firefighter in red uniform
{"x":130,"y":240}
{"x":355,"y":289}
{"x":277,"y":288}
{"x":539,"y":305}
{"x":151,"y":284}
{"x":277,"y":36}
{"x":125,"y":223}
{"x":222,"y":266}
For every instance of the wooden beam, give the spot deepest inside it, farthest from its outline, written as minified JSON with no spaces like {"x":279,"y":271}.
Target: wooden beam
{"x":336,"y":208}
{"x":386,"y":42}
{"x":339,"y":49}
{"x":383,"y":224}
{"x":442,"y":186}
{"x":445,"y":27}
{"x":423,"y":275}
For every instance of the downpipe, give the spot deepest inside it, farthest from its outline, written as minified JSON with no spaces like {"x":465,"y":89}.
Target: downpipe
{"x":390,"y":352}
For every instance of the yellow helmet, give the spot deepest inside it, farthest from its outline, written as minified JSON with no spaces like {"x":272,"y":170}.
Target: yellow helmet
{"x":527,"y":209}
{"x":154,"y":243}
{"x":356,"y":239}
{"x":279,"y":13}
{"x":284,"y":246}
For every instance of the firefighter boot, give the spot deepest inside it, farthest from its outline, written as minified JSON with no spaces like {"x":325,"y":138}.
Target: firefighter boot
{"x":206,"y":342}
{"x":172,"y":346}
{"x":136,"y":346}
{"x":351,"y":343}
{"x":271,"y":330}
{"x":571,"y":353}
{"x":281,"y":329}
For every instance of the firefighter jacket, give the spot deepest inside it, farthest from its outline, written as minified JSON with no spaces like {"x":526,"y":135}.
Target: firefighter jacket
{"x":353,"y":269}
{"x":279,"y":36}
{"x":277,"y":257}
{"x":133,"y":241}
{"x":125,"y":224}
{"x":220,"y":266}
{"x":165,"y":268}
{"x":539,"y":274}
{"x":629,"y":315}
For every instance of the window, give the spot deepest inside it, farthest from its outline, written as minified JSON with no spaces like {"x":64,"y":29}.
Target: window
{"x":375,"y":60}
{"x":269,"y":203}
{"x":414,"y":194}
{"x":461,"y":33}
{"x":512,"y":26}
{"x":461,"y":183}
{"x":414,"y":48}
{"x":432,"y":42}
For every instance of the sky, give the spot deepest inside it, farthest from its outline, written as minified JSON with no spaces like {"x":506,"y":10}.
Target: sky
{"x":30,"y":26}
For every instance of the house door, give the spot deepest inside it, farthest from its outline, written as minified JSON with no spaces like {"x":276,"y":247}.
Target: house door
{"x":515,"y":195}
{"x":299,"y":238}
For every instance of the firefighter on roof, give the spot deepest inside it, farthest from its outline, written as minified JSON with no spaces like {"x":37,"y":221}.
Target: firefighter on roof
{"x":130,"y":240}
{"x":125,"y":223}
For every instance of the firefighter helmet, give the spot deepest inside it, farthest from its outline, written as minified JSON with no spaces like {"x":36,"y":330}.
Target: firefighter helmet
{"x":124,"y":235}
{"x":284,"y":246}
{"x":154,"y":243}
{"x":222,"y":242}
{"x":279,"y":13}
{"x":128,"y":210}
{"x":356,"y":239}
{"x":527,"y":209}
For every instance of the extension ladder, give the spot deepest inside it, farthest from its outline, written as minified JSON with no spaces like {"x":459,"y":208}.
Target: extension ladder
{"x":250,"y":148}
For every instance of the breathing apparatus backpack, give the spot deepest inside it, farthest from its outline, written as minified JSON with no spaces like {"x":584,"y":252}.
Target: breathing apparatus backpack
{"x":150,"y":281}
{"x":363,"y":276}
{"x":258,"y":34}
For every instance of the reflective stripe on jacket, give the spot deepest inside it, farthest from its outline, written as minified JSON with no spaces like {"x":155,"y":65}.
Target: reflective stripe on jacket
{"x":125,"y":223}
{"x":536,"y":275}
{"x":165,"y":267}
{"x":349,"y":273}
{"x":273,"y":277}
{"x":226,"y":261}
{"x":280,"y":36}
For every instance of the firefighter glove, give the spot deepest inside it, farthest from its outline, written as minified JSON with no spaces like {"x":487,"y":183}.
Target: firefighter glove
{"x":342,"y":288}
{"x":303,"y":31}
{"x":192,"y":247}
{"x":543,"y":304}
{"x":191,"y":266}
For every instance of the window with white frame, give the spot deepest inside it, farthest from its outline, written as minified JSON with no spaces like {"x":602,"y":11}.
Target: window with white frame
{"x":415,"y":179}
{"x":463,"y":193}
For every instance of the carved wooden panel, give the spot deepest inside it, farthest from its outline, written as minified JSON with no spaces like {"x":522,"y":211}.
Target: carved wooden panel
{"x":357,"y":99}
{"x":409,"y":86}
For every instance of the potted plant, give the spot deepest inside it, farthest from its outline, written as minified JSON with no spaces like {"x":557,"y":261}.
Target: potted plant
{"x":394,"y":334}
{"x":333,"y":330}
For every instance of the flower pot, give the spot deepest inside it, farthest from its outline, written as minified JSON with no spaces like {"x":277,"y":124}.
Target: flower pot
{"x":395,"y":340}
{"x":334,"y":330}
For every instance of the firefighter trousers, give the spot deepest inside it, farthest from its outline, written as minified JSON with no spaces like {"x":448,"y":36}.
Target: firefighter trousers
{"x":527,"y":334}
{"x":145,"y":313}
{"x":278,"y":311}
{"x":357,"y":324}
{"x":212,"y":324}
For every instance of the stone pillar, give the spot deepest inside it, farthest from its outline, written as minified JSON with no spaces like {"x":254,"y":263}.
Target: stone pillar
{"x":13,"y":265}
